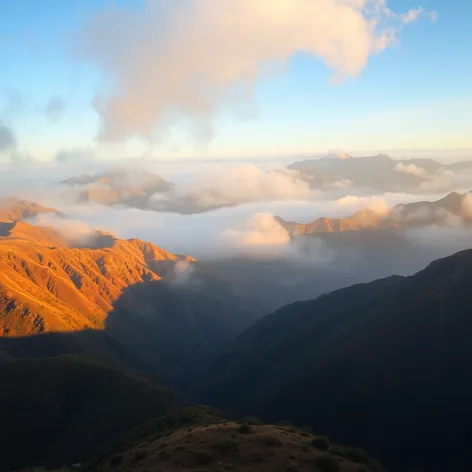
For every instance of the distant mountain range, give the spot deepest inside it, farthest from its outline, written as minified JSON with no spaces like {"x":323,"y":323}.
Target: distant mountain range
{"x":379,"y":172}
{"x":145,"y":190}
{"x":407,"y":215}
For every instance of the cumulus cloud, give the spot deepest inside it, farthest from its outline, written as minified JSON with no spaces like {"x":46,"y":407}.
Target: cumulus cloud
{"x":180,"y":61}
{"x":261,"y":229}
{"x":376,"y":204}
{"x":55,"y":108}
{"x":411,"y":169}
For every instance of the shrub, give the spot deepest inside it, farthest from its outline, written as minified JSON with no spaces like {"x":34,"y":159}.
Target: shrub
{"x":252,"y":420}
{"x":320,"y":442}
{"x":245,"y":429}
{"x":203,"y":457}
{"x":307,"y":429}
{"x":356,"y":455}
{"x":284,"y":423}
{"x":326,"y":463}
{"x":271,"y":441}
{"x":336,"y":449}
{"x":226,"y":446}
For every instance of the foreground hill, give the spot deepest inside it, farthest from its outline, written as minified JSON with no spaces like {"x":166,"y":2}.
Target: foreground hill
{"x":62,"y":410}
{"x":378,"y":365}
{"x":201,"y":439}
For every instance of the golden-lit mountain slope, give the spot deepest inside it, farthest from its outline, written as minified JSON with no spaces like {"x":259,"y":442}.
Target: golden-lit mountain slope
{"x":361,"y":220}
{"x":454,"y":209}
{"x":16,"y":209}
{"x":47,"y":285}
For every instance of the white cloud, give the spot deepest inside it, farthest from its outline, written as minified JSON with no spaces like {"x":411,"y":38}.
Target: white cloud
{"x":234,"y":185}
{"x":179,"y":61}
{"x":75,"y":232}
{"x":374,"y":203}
{"x":260,"y":230}
{"x":411,"y":169}
{"x":415,"y":13}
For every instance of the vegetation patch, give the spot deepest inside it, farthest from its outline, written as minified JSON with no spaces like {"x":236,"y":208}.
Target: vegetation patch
{"x":245,"y":428}
{"x":326,"y":463}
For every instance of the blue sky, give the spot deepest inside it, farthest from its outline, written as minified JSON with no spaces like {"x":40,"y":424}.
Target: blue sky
{"x":417,"y":94}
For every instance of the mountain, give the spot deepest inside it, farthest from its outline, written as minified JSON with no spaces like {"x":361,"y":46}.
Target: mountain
{"x":47,"y":285}
{"x":405,"y":215}
{"x":63,"y":410}
{"x":379,"y":172}
{"x":377,"y":365}
{"x":126,"y":302}
{"x":119,"y":186}
{"x":203,"y":439}
{"x":15,"y":209}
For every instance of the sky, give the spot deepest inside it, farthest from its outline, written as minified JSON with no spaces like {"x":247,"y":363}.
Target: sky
{"x":199,"y":78}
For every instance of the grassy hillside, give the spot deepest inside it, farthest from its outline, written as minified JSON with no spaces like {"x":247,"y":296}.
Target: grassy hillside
{"x":61,"y":410}
{"x":202,"y":439}
{"x":378,"y":365}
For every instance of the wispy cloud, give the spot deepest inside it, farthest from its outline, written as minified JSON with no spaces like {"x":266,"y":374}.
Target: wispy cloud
{"x":55,"y":108}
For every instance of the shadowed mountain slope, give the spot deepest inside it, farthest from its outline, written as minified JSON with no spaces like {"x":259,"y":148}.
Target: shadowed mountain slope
{"x":62,"y":410}
{"x":377,"y":365}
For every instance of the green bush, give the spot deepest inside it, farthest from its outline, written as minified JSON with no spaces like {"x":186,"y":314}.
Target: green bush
{"x":320,"y":442}
{"x":326,"y":463}
{"x":245,"y":429}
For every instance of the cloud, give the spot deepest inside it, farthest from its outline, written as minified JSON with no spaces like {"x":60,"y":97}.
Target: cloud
{"x":467,"y":206}
{"x":261,"y":229}
{"x":7,"y":138}
{"x":235,"y":185}
{"x":415,"y":13}
{"x":75,"y":232}
{"x":374,"y":203}
{"x":411,"y":169}
{"x":55,"y":109}
{"x":179,"y":62}
{"x":181,"y":272}
{"x":73,"y":156}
